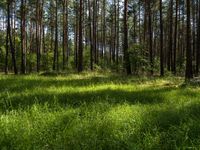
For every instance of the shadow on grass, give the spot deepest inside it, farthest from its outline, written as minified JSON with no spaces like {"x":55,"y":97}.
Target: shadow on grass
{"x":160,"y":128}
{"x":17,"y":84}
{"x":170,"y":128}
{"x":166,"y":127}
{"x":146,"y":96}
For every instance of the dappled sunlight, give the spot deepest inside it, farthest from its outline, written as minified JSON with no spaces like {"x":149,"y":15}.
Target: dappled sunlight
{"x":100,"y":111}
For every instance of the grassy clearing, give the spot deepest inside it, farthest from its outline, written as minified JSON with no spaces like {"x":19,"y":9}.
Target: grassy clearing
{"x":98,"y":111}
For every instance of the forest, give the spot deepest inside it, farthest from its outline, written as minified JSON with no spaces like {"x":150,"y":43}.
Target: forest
{"x":99,"y":74}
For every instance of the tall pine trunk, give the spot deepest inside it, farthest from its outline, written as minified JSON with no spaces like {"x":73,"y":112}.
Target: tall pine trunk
{"x":126,"y":53}
{"x":161,"y":41}
{"x":23,"y":37}
{"x":80,"y":49}
{"x":10,"y":38}
{"x":188,"y":73}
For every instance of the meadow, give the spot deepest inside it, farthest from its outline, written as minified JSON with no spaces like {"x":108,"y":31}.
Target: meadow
{"x":95,"y":111}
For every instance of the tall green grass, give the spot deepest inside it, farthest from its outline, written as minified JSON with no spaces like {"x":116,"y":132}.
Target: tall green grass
{"x":98,"y":111}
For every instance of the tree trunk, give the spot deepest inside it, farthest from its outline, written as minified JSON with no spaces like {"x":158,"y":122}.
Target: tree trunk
{"x":150,"y":39}
{"x":91,"y":40}
{"x":161,"y":41}
{"x":23,"y":37}
{"x":198,"y":43}
{"x":80,"y":52}
{"x":126,"y":53}
{"x":37,"y":36}
{"x":175,"y":37}
{"x":7,"y":49}
{"x":10,"y":38}
{"x":65,"y":33}
{"x":189,"y":73}
{"x":170,"y":45}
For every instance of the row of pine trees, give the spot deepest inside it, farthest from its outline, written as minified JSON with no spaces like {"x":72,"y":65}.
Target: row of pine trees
{"x":167,"y":32}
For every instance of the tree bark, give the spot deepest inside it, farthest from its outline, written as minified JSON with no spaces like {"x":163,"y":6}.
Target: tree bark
{"x":23,"y":37}
{"x":189,"y":73}
{"x":161,"y":41}
{"x":80,"y":52}
{"x":10,"y":38}
{"x":126,"y":53}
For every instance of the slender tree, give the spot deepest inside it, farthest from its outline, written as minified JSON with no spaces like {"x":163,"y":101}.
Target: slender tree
{"x":10,"y":38}
{"x":23,"y":37}
{"x":80,"y":49}
{"x":198,"y":42}
{"x":170,"y":37}
{"x":56,"y":55}
{"x":188,"y":73}
{"x":94,"y":30}
{"x":126,"y":53}
{"x":161,"y":41}
{"x":175,"y":37}
{"x":65,"y":33}
{"x":90,"y":32}
{"x":150,"y":38}
{"x":37,"y":35}
{"x":7,"y":51}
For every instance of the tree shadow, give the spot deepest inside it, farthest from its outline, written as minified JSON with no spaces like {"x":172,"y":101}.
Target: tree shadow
{"x":176,"y":126}
{"x":75,"y":99}
{"x":17,"y":84}
{"x":171,"y":128}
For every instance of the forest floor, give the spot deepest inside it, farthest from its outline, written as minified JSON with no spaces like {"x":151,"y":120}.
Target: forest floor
{"x":98,"y":111}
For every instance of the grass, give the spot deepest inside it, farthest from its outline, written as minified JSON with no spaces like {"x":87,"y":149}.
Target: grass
{"x":98,"y":111}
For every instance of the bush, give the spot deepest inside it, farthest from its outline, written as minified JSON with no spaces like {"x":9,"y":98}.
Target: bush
{"x":138,"y":58}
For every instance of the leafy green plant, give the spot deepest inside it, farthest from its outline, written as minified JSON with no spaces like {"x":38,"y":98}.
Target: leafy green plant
{"x":138,"y":58}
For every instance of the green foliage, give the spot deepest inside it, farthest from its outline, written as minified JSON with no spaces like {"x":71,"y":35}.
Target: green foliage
{"x":3,"y":4}
{"x":98,"y":111}
{"x":181,"y":64}
{"x":138,"y":58}
{"x":2,"y":50}
{"x":2,"y":57}
{"x":46,"y":61}
{"x":86,"y":58}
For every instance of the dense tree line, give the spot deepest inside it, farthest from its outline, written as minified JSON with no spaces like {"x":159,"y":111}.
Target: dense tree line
{"x":136,"y":37}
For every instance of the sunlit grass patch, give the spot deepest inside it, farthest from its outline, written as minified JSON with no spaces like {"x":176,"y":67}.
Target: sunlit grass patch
{"x":98,"y":111}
